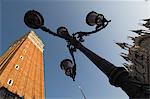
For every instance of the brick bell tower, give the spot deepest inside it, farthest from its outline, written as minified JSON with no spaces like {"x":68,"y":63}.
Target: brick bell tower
{"x":22,"y":69}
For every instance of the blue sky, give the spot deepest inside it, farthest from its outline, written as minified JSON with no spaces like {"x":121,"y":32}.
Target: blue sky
{"x":125,"y":15}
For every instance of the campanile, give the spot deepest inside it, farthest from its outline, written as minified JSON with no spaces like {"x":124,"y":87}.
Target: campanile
{"x":22,"y":69}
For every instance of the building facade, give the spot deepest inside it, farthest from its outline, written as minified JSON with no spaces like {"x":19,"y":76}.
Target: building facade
{"x":22,"y":69}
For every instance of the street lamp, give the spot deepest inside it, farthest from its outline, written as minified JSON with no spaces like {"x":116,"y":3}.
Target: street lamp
{"x":118,"y":76}
{"x":35,"y":20}
{"x":94,"y":18}
{"x":63,"y":32}
{"x":68,"y":67}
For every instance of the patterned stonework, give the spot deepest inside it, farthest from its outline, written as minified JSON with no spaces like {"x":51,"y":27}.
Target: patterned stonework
{"x":36,"y":40}
{"x":138,"y":55}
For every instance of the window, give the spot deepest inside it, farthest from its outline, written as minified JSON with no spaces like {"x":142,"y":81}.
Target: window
{"x":25,"y":51}
{"x":17,"y":67}
{"x":10,"y":47}
{"x":21,"y":57}
{"x":10,"y":82}
{"x":18,"y":42}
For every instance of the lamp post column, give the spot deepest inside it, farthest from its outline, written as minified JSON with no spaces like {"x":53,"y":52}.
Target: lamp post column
{"x":118,"y":76}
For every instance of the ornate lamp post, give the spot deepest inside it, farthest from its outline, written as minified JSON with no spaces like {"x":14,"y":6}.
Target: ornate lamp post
{"x":118,"y":76}
{"x":35,"y":20}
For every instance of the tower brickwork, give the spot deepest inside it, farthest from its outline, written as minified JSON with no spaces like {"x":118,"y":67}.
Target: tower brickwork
{"x":22,"y":69}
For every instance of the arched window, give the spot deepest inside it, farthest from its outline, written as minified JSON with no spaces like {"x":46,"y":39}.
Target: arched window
{"x":21,"y":57}
{"x":17,"y":67}
{"x":10,"y":82}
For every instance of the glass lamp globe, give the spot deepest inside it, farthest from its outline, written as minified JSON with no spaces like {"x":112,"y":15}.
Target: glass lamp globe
{"x":33,"y":19}
{"x":94,"y":18}
{"x":67,"y":65}
{"x":63,"y":32}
